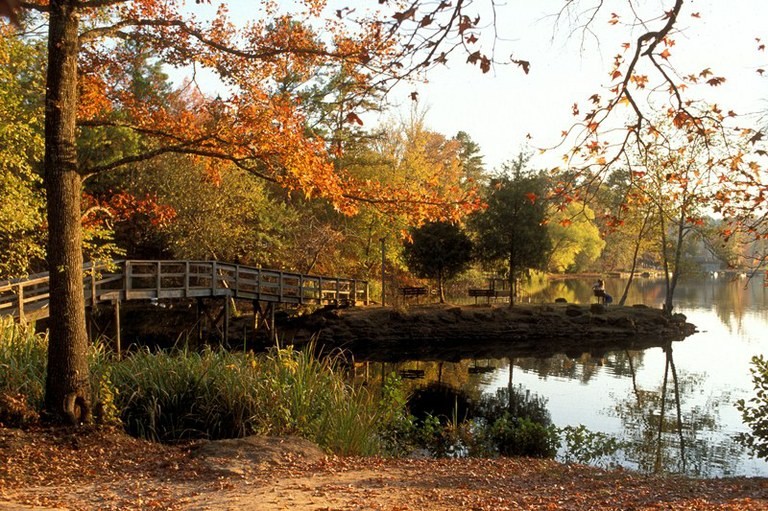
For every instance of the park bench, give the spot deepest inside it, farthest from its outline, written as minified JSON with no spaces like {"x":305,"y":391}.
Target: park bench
{"x":411,"y":291}
{"x":599,"y":294}
{"x":488,"y":293}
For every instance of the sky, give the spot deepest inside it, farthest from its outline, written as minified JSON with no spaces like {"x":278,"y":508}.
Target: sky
{"x":506,"y":111}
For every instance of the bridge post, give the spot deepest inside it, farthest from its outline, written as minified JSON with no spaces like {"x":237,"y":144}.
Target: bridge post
{"x":118,"y":343}
{"x":158,"y":280}
{"x":22,"y":319}
{"x":225,"y":339}
{"x":93,"y":286}
{"x":186,"y":279}
{"x":199,"y":317}
{"x":127,"y":283}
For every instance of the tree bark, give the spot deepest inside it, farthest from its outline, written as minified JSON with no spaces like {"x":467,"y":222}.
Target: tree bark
{"x":440,"y":288}
{"x":635,"y":255}
{"x":67,"y":388}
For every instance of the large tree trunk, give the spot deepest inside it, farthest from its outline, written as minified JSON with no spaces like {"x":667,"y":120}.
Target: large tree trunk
{"x":67,"y":389}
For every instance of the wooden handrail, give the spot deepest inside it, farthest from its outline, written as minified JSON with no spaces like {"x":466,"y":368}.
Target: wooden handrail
{"x":27,"y":299}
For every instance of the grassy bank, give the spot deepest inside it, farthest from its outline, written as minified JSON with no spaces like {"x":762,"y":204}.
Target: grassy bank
{"x":180,"y":395}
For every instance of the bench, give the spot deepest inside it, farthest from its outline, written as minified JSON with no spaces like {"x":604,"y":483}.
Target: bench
{"x":410,"y":291}
{"x":599,"y":294}
{"x":488,"y":293}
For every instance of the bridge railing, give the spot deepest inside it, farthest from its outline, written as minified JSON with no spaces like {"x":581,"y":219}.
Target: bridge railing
{"x":28,"y":299}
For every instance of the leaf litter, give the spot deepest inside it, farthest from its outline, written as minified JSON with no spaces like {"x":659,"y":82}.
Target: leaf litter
{"x":105,"y":469}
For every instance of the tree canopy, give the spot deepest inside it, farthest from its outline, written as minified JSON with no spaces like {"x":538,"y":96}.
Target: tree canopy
{"x":438,"y":250}
{"x":512,"y":230}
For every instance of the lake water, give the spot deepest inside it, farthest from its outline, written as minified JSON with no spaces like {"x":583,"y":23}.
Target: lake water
{"x":620,"y":393}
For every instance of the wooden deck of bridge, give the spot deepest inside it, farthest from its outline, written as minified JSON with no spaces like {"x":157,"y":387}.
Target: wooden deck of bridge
{"x":27,"y":299}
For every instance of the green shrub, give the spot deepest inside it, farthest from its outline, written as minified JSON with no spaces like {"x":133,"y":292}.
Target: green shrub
{"x":580,"y":445}
{"x":521,"y":436}
{"x":754,"y":412}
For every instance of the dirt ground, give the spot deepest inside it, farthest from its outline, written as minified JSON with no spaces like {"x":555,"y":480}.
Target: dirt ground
{"x":96,"y":469}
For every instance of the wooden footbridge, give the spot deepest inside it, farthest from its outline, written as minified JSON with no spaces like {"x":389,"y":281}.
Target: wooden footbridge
{"x":119,"y":281}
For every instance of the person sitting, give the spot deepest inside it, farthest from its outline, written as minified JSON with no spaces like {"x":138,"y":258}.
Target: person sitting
{"x":599,"y":291}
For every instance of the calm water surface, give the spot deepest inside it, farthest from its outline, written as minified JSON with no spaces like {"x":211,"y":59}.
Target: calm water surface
{"x":626,"y":394}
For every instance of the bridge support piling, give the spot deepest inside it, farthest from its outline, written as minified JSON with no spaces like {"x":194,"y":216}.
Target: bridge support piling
{"x":199,"y":319}
{"x":118,"y":341}
{"x":225,"y":336}
{"x":264,"y":317}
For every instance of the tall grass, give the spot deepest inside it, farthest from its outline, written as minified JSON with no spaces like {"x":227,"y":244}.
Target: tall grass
{"x":219,"y":394}
{"x":23,"y":361}
{"x":170,"y":396}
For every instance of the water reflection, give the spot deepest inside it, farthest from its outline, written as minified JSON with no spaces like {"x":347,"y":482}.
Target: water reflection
{"x":670,"y":406}
{"x":664,"y":434}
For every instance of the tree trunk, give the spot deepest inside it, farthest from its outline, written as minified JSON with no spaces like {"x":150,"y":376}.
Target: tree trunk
{"x":440,"y":286}
{"x":635,"y":255}
{"x":67,"y":388}
{"x":512,"y":286}
{"x":665,"y":260}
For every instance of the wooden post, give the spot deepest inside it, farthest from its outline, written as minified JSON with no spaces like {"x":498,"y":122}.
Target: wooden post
{"x":127,"y":284}
{"x":200,"y":318}
{"x":237,"y":281}
{"x":213,"y":278}
{"x":93,"y":286}
{"x":158,"y":281}
{"x":22,"y":319}
{"x":272,"y":324}
{"x":226,"y":321}
{"x":186,"y":278}
{"x":118,"y":342}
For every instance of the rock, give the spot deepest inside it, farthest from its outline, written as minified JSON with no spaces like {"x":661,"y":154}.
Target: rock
{"x":625,"y":323}
{"x":597,"y":308}
{"x":237,"y":455}
{"x":573,"y":311}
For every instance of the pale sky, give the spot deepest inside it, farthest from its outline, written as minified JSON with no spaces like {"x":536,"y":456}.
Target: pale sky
{"x":501,"y":108}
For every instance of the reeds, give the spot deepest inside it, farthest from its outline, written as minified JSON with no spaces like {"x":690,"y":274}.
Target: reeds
{"x":23,"y":361}
{"x":182,"y":394}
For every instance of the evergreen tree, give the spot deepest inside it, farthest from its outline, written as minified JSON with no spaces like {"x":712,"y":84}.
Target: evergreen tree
{"x":512,"y":229}
{"x":438,"y":250}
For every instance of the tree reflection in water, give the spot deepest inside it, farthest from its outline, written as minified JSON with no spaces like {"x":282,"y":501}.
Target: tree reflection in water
{"x":662,"y":435}
{"x":662,"y":432}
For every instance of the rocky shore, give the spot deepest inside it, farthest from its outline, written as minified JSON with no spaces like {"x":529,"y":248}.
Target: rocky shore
{"x":449,"y":332}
